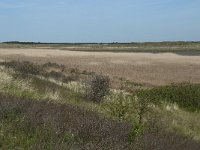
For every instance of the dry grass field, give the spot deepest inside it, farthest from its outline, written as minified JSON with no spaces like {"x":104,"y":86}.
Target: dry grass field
{"x":145,"y":68}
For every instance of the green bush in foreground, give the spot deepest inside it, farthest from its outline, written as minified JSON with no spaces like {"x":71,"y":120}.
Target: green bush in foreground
{"x":186,"y":95}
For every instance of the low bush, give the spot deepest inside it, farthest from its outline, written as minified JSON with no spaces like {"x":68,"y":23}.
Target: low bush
{"x":125,"y":107}
{"x":186,"y":95}
{"x":120,"y":106}
{"x":97,"y":88}
{"x":24,"y":67}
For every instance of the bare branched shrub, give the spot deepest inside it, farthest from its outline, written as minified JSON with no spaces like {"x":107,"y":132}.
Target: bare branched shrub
{"x":97,"y":88}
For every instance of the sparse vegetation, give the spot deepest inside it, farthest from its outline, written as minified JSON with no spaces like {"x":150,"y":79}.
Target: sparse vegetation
{"x":37,"y":112}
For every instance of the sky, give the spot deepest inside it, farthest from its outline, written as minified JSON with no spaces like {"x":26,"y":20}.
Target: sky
{"x":99,"y":20}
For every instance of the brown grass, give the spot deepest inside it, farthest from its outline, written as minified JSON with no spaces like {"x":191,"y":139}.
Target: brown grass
{"x":144,"y":68}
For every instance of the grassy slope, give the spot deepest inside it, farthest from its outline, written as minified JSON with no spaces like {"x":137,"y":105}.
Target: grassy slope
{"x":42,"y":114}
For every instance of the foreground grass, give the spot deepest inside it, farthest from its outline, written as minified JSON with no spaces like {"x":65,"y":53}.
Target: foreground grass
{"x":29,"y":123}
{"x":16,"y":131}
{"x":44,"y":125}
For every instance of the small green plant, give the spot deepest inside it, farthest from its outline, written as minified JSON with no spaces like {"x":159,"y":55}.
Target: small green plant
{"x":142,"y":108}
{"x":120,"y":106}
{"x":137,"y":130}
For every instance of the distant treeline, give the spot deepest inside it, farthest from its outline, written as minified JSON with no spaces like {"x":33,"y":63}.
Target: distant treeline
{"x":167,"y":43}
{"x":164,"y":42}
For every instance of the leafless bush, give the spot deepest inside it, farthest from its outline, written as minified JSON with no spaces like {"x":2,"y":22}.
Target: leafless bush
{"x":97,"y":88}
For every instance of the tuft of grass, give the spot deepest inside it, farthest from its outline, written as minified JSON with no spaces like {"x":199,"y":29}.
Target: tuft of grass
{"x":180,"y":121}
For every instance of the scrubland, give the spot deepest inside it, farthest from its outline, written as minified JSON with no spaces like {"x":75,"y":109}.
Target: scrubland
{"x":62,"y":97}
{"x":46,"y":106}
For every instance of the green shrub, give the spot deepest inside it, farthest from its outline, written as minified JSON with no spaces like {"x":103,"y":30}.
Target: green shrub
{"x":186,"y":95}
{"x":137,"y":130}
{"x":125,"y":107}
{"x":120,"y":106}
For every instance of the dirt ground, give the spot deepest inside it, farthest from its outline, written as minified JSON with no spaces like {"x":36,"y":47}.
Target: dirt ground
{"x":144,"y":68}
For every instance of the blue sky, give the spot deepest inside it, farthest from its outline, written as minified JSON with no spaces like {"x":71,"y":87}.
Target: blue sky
{"x":99,"y":20}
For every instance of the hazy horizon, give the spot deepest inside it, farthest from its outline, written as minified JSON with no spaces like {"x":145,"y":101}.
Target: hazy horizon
{"x":99,"y":21}
{"x":114,"y":42}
